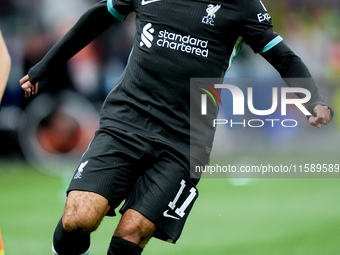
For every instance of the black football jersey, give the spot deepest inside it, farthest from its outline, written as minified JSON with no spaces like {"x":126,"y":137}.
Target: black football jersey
{"x":177,"y":40}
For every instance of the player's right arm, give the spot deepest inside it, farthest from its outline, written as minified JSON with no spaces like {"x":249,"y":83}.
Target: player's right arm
{"x":290,"y":67}
{"x":90,"y":25}
{"x":258,"y":33}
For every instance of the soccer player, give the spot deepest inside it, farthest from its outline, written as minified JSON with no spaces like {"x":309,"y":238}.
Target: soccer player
{"x":5,"y":66}
{"x":141,"y":152}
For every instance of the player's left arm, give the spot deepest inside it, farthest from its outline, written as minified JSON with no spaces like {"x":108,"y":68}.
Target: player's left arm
{"x":89,"y":26}
{"x":290,"y":66}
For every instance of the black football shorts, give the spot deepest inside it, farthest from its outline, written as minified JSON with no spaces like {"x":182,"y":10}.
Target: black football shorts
{"x":151,"y":176}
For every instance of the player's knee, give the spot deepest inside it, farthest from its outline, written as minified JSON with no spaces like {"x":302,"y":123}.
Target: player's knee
{"x":135,"y":228}
{"x":134,"y":234}
{"x":78,"y":222}
{"x":84,"y":211}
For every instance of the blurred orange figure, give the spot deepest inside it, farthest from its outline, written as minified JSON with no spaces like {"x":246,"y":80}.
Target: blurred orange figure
{"x":5,"y":66}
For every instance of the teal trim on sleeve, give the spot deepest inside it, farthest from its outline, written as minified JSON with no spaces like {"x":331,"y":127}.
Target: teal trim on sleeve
{"x":236,"y":50}
{"x":272,"y":44}
{"x":113,"y":11}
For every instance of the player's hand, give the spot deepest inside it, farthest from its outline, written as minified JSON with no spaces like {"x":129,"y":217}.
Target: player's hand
{"x":28,"y":87}
{"x":321,"y":116}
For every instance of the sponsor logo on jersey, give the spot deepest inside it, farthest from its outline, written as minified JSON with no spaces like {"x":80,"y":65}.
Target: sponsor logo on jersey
{"x":183,"y":43}
{"x":263,"y":17}
{"x":80,"y":170}
{"x":145,"y":2}
{"x":211,"y":14}
{"x":147,"y":36}
{"x":174,"y":41}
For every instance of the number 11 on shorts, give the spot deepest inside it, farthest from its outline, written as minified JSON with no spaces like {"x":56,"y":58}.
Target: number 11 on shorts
{"x":180,"y":210}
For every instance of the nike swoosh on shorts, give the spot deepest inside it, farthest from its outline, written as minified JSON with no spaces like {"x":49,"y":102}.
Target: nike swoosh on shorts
{"x":144,"y":2}
{"x":165,"y":214}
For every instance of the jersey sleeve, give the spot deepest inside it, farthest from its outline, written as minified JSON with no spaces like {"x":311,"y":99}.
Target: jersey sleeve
{"x":120,"y":8}
{"x":90,"y":25}
{"x":257,"y":29}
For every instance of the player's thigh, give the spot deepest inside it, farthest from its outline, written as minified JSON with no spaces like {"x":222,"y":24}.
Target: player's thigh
{"x":110,"y":167}
{"x":84,"y":210}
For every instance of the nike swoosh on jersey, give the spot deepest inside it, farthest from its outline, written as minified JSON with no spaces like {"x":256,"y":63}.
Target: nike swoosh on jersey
{"x":165,"y":214}
{"x":144,"y":2}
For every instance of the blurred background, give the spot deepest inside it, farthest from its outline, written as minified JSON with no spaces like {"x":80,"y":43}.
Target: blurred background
{"x":30,"y":28}
{"x":42,"y":138}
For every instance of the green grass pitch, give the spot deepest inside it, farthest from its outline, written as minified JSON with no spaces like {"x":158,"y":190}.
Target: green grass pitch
{"x":269,"y":216}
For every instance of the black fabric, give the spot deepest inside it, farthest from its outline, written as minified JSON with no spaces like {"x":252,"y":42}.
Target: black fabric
{"x":70,"y":243}
{"x":147,"y":174}
{"x":284,"y":60}
{"x":95,"y":21}
{"x":152,"y":97}
{"x":123,"y":7}
{"x":295,"y":73}
{"x":119,"y":246}
{"x":256,"y":28}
